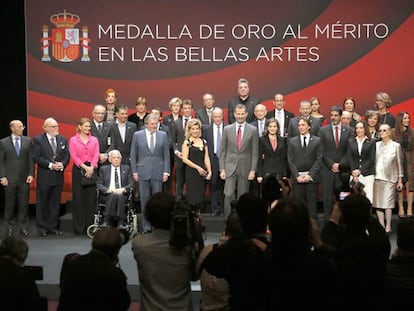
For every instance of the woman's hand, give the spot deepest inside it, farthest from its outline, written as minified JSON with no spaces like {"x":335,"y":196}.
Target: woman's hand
{"x":201,"y":171}
{"x":89,"y":171}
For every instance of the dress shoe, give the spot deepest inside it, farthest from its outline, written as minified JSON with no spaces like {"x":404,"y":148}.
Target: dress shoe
{"x":24,"y":232}
{"x":57,"y":232}
{"x":43,"y":234}
{"x":146,"y":232}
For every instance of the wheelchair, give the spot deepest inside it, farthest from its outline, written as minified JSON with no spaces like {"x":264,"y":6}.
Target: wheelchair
{"x":131,"y":217}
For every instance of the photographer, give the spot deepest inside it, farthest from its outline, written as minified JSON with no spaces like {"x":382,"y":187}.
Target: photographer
{"x":242,"y":260}
{"x":94,"y":281}
{"x":164,"y":271}
{"x":359,"y":247}
{"x":18,"y":290}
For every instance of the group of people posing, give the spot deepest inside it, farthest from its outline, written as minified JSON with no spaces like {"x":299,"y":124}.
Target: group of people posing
{"x":115,"y":150}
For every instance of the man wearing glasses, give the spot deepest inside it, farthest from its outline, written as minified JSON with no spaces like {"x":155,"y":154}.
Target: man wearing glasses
{"x":16,"y":174}
{"x":51,"y":153}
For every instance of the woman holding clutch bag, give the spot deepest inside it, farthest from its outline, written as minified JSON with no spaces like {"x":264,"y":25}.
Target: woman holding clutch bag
{"x":84,"y":153}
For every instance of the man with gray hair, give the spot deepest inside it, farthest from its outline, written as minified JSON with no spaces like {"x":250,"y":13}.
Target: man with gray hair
{"x":244,"y":99}
{"x":150,"y":162}
{"x":305,"y":113}
{"x":16,"y":174}
{"x":114,"y":182}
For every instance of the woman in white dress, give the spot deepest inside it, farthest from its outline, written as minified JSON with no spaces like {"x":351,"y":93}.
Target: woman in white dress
{"x":388,"y":176}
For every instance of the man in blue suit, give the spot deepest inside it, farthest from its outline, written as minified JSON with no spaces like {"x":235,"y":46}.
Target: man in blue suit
{"x":51,"y":153}
{"x":150,"y":162}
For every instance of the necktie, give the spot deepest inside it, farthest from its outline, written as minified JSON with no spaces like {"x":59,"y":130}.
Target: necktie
{"x":53,"y":145}
{"x":260,"y":128}
{"x":336,"y":137}
{"x":209,"y":116}
{"x":99,"y":127}
{"x":152,"y":144}
{"x":185,"y":123}
{"x":117,"y":186}
{"x":239,"y":137}
{"x":218,"y":139}
{"x":17,"y":145}
{"x":278,"y":115}
{"x":304,"y":142}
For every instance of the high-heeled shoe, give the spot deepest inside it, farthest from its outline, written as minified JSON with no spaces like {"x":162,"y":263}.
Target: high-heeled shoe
{"x":401,"y":216}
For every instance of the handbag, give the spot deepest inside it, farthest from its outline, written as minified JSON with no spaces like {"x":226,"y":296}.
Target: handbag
{"x":88,"y":181}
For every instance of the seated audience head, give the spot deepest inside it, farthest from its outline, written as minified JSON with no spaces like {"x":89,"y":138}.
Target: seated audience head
{"x":356,"y":211}
{"x":108,"y":241}
{"x":233,"y":226}
{"x":14,"y":248}
{"x":290,"y":225}
{"x":405,"y":236}
{"x":252,"y":212}
{"x":158,"y":210}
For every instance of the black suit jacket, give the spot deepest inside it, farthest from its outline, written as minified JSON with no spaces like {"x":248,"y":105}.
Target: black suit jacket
{"x":365,"y":162}
{"x":43,"y":156}
{"x":305,"y":159}
{"x":93,"y":282}
{"x":288,"y":115}
{"x":208,"y":135}
{"x":16,"y":168}
{"x":272,"y":161}
{"x":202,"y":115}
{"x":177,"y":134}
{"x":102,"y":136}
{"x":169,"y":121}
{"x":117,"y":143}
{"x":332,"y":154}
{"x":249,"y":103}
{"x":293,"y":131}
{"x":104,"y":178}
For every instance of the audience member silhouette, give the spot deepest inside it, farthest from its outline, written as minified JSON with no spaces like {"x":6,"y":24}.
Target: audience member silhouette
{"x":164,"y":271}
{"x":95,"y":281}
{"x":359,"y":247}
{"x":242,"y":260}
{"x":298,"y":275}
{"x":215,"y":291}
{"x":399,"y":276}
{"x":18,"y":290}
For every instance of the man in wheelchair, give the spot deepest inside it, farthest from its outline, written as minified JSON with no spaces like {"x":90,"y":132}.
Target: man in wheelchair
{"x":114,"y":184}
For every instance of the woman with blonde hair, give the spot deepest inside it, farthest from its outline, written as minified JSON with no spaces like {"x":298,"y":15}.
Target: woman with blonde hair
{"x":84,"y":153}
{"x":197,"y":161}
{"x":383,"y":102}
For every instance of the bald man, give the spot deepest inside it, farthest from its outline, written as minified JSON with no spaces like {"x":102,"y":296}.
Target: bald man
{"x":16,"y":174}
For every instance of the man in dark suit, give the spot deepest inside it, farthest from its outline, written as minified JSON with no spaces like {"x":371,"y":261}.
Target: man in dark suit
{"x":213,"y":135}
{"x":204,"y":114}
{"x":334,"y":139}
{"x":178,"y":136}
{"x":260,"y":122}
{"x":243,"y":98}
{"x":280,"y":114}
{"x":51,"y":153}
{"x":239,"y":154}
{"x":94,"y":281}
{"x":115,"y":182}
{"x":100,"y":129}
{"x":16,"y":174}
{"x":304,"y":112}
{"x":150,"y":163}
{"x":305,"y":160}
{"x":121,"y":133}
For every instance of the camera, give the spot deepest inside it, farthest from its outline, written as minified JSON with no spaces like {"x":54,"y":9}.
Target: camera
{"x":36,"y":272}
{"x":184,"y":229}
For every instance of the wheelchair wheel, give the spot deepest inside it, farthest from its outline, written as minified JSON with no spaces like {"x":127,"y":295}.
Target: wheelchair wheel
{"x":133,"y":226}
{"x":92,"y":229}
